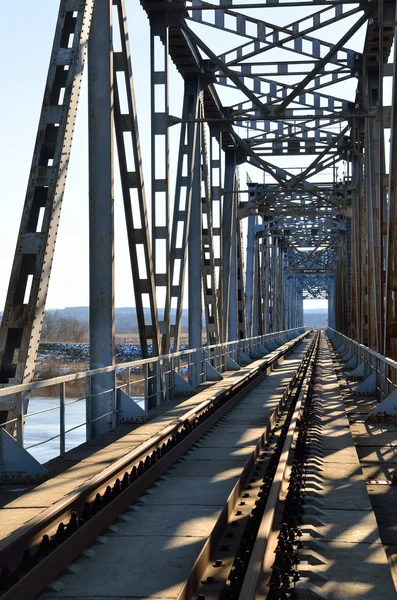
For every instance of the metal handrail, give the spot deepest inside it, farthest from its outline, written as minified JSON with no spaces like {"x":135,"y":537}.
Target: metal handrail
{"x":27,"y":387}
{"x":162,"y":369}
{"x":370,"y":361}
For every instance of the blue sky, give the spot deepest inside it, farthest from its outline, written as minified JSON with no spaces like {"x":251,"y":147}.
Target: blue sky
{"x":25,"y":41}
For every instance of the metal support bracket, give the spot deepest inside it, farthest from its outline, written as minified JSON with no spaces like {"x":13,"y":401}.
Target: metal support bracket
{"x":388,"y":406}
{"x":231,"y":364}
{"x":368,"y":386}
{"x":130,"y":411}
{"x":181,"y":386}
{"x":211,"y":374}
{"x":243,"y":358}
{"x":352,"y":363}
{"x":263,"y":350}
{"x":272,"y":344}
{"x":358,"y":371}
{"x":16,"y":464}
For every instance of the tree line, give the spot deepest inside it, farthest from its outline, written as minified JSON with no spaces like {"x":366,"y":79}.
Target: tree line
{"x":58,"y":328}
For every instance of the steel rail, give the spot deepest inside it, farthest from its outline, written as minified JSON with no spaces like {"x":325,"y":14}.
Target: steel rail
{"x":216,"y":560}
{"x":262,"y":558}
{"x":36,"y":553}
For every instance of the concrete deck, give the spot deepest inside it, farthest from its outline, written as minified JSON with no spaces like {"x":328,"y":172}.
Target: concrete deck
{"x":151,"y":549}
{"x":20,"y":503}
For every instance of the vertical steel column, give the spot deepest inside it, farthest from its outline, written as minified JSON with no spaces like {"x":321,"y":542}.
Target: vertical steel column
{"x":294,"y":298}
{"x":272,"y":287}
{"x":364,"y":249}
{"x":208,"y":260}
{"x":195,"y":238}
{"x":259,"y":282}
{"x":356,"y":282}
{"x":195,"y":255}
{"x":390,"y":335}
{"x":374,"y":201}
{"x":133,"y":189}
{"x":348,"y":277}
{"x":160,"y":167}
{"x":362,"y":238}
{"x":291,"y":302}
{"x":266,"y":269}
{"x":216,"y":200}
{"x":233,"y":284}
{"x":241,"y":308}
{"x":299,"y":320}
{"x":295,"y":304}
{"x":30,"y":275}
{"x":276,"y":297}
{"x":258,"y":290}
{"x":374,"y":278}
{"x":300,"y":317}
{"x":251,"y":269}
{"x":228,"y":219}
{"x":341,"y":284}
{"x":101,"y":199}
{"x":384,"y":14}
{"x":287,"y":301}
{"x":280,"y":286}
{"x":187,"y":171}
{"x":331,"y":304}
{"x":338,"y":280}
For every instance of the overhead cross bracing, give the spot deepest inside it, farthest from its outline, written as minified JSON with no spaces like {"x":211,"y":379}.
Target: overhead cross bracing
{"x":289,"y":93}
{"x":302,"y":217}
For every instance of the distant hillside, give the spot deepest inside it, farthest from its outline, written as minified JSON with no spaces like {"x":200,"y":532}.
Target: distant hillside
{"x":125,"y":317}
{"x":316,"y":317}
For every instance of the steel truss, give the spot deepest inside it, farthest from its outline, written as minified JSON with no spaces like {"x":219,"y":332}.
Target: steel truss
{"x":265,"y":95}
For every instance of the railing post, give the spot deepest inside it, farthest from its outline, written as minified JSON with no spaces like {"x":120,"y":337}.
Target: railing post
{"x":172,"y":382}
{"x":166,"y":379}
{"x":146,"y":384}
{"x":20,"y":417}
{"x":194,"y":374}
{"x":62,"y":419}
{"x":127,"y":380}
{"x":163,"y":379}
{"x":159,"y":387}
{"x":88,"y":409}
{"x":115,"y":401}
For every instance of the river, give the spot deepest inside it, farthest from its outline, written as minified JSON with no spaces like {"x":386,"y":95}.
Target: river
{"x":46,"y":425}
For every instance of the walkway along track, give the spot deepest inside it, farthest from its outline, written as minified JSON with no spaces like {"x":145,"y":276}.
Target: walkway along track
{"x":38,"y":552}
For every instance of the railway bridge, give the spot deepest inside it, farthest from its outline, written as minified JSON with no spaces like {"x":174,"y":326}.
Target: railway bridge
{"x":259,"y":459}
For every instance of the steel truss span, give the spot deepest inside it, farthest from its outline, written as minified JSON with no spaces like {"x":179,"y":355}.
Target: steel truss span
{"x":282,"y":188}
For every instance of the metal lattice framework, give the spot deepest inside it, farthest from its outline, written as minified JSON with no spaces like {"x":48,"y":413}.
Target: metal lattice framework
{"x":268,"y":86}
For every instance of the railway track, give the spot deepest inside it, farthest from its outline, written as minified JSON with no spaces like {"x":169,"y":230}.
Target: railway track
{"x":41,"y":550}
{"x":255,"y":548}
